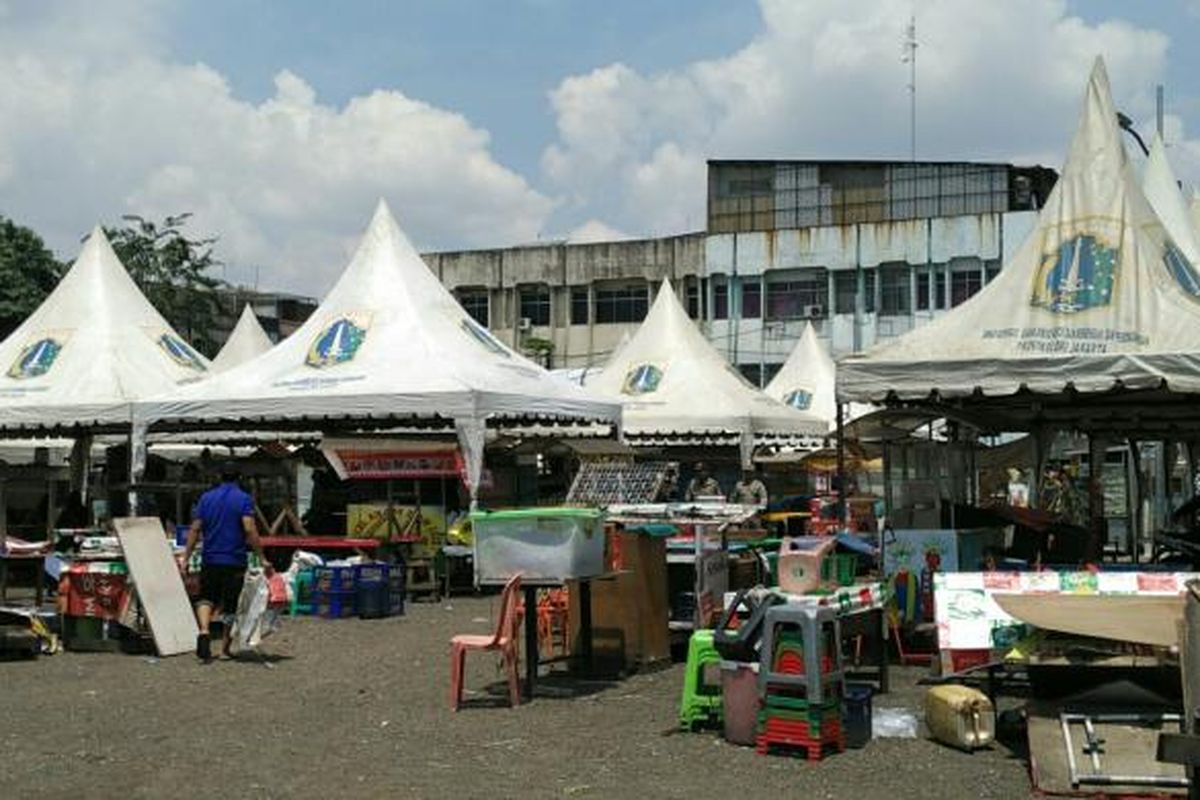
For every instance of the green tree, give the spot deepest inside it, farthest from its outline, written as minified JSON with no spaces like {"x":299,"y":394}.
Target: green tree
{"x":28,"y":273}
{"x":173,"y":272}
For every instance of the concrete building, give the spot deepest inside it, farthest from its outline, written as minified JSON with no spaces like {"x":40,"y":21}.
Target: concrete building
{"x":863,"y":250}
{"x":279,"y":313}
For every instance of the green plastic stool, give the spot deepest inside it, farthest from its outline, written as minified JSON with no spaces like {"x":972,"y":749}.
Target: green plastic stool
{"x":700,"y":704}
{"x":302,"y":584}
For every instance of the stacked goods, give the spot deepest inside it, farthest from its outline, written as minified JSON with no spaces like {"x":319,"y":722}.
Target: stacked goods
{"x":802,"y":683}
{"x":333,"y":593}
{"x":701,"y":704}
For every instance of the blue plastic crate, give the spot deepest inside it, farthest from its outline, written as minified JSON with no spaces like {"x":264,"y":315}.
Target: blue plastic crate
{"x":334,"y":605}
{"x":375,"y":572}
{"x":334,"y":579}
{"x":397,"y":591}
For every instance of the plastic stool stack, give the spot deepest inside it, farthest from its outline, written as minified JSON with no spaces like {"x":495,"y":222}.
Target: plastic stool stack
{"x":802,"y":683}
{"x":701,"y":703}
{"x":302,"y":592}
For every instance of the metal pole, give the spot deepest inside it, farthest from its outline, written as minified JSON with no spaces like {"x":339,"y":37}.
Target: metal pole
{"x":843,"y":508}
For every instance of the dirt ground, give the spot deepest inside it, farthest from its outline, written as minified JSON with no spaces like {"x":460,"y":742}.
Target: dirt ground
{"x":359,"y":708}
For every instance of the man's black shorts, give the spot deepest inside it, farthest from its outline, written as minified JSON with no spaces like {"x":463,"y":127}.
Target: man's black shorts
{"x":221,"y":585}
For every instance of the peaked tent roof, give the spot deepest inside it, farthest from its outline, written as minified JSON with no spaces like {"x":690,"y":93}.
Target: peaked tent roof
{"x":1096,"y":298}
{"x":1194,"y":212}
{"x":246,"y":340}
{"x":95,"y":345}
{"x":673,"y":382}
{"x":805,"y":381}
{"x":1162,"y":191}
{"x":388,"y":342}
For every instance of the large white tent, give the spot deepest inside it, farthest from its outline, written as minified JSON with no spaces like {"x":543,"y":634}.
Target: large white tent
{"x":1194,"y":212}
{"x":1162,"y":191}
{"x":673,"y":383}
{"x":1098,"y":300}
{"x":806,"y":380}
{"x":246,"y":341}
{"x":388,"y":345}
{"x":94,"y":346}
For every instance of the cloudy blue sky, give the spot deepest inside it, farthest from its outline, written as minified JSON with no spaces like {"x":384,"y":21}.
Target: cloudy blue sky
{"x":489,"y":123}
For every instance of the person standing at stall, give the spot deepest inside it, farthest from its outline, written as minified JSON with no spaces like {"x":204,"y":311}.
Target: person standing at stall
{"x":703,"y":484}
{"x":223,"y":520}
{"x":750,"y":490}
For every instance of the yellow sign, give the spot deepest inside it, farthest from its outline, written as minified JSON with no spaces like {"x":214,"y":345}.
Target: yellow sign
{"x":373,"y":521}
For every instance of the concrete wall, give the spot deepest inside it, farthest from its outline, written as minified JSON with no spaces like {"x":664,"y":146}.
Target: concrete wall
{"x":941,"y":245}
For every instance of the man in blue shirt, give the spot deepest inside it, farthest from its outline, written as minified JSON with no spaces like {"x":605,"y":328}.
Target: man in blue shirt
{"x":224,"y":519}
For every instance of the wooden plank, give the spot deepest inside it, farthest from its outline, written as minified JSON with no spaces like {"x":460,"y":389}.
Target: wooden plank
{"x":1146,"y":619}
{"x":159,"y":584}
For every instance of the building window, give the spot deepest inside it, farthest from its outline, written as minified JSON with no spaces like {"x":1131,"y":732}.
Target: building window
{"x":802,"y":296}
{"x":720,"y":301}
{"x":869,"y":291}
{"x":893,"y":290}
{"x":845,"y":290}
{"x":579,"y":305}
{"x":939,"y":289}
{"x":475,"y":303}
{"x":991,"y":270}
{"x":963,"y":285}
{"x":751,"y":299}
{"x":621,"y":303}
{"x":693,"y":298}
{"x":922,"y":291}
{"x":535,"y":304}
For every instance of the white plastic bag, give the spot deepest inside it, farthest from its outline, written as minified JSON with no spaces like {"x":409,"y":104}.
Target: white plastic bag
{"x":254,"y":619}
{"x":893,"y":723}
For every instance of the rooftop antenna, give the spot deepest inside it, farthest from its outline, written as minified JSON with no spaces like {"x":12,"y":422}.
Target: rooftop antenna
{"x":909,"y":56}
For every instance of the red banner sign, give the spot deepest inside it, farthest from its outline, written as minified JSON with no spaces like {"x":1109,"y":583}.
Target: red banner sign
{"x":401,"y":464}
{"x":96,"y":594}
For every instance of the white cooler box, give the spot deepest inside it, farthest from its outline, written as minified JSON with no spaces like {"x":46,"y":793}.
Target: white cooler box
{"x":544,"y":545}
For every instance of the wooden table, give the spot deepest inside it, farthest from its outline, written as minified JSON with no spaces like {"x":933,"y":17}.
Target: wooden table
{"x":531,"y":625}
{"x":326,"y":543}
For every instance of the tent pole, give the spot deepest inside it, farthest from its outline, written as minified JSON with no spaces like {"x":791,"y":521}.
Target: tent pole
{"x":137,"y":462}
{"x":843,"y":507}
{"x":1135,"y":502}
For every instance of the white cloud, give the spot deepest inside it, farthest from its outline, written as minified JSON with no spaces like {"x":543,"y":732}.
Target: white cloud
{"x":95,"y":122}
{"x":824,"y":80}
{"x":594,"y":231}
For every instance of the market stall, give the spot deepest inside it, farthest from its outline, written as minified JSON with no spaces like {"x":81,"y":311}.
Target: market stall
{"x":1090,"y":328}
{"x":668,"y":364}
{"x":74,"y":368}
{"x":388,"y":346}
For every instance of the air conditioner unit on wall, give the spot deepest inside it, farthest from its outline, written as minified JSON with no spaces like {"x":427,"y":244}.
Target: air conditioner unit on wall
{"x":524,"y":324}
{"x":814,"y":311}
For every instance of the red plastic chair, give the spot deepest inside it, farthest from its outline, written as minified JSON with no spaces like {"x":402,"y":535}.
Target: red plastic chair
{"x":504,"y":639}
{"x":552,"y":619}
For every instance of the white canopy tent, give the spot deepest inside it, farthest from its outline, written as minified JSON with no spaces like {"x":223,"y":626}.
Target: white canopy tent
{"x":92,"y":348}
{"x":1194,"y":211}
{"x":1098,"y":301}
{"x":806,"y":380}
{"x":246,"y":340}
{"x":1162,"y":191}
{"x":674,"y":384}
{"x":388,"y":346}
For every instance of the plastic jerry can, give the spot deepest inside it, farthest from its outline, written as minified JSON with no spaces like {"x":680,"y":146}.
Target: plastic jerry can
{"x":800,"y":562}
{"x":960,"y":716}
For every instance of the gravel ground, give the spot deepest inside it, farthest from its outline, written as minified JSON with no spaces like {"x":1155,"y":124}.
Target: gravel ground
{"x":359,"y":708}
